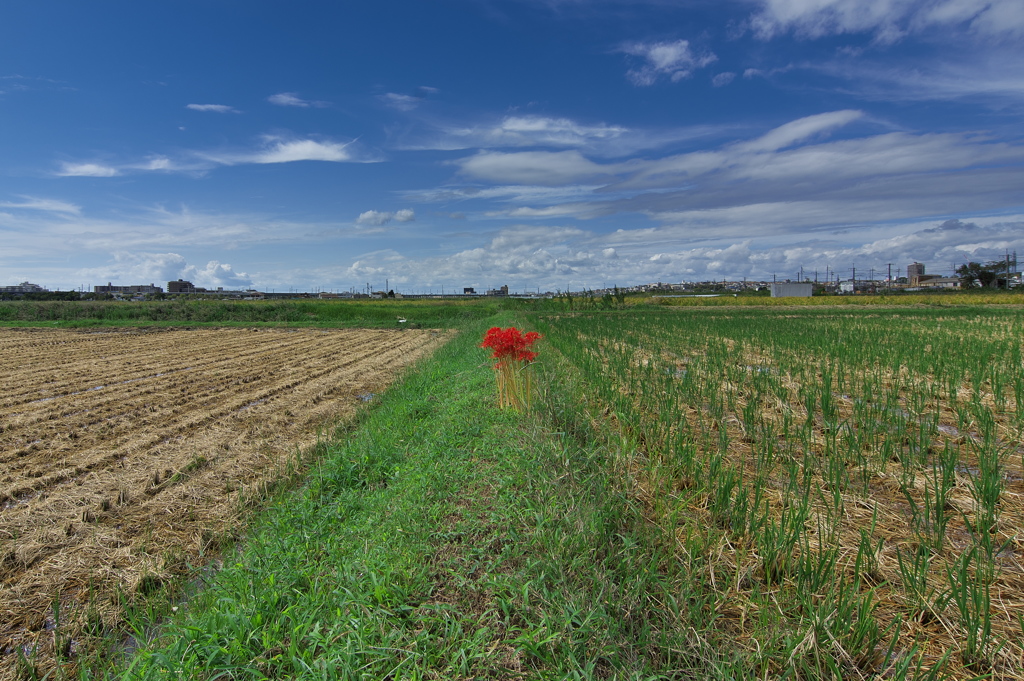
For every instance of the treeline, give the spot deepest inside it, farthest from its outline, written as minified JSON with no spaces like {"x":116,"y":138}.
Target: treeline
{"x":53,"y":295}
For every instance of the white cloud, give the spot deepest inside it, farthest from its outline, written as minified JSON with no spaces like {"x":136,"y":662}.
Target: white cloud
{"x":676,"y":60}
{"x":215,"y":108}
{"x":86,"y":170}
{"x":46,"y":205}
{"x":302,"y":150}
{"x":723,"y":79}
{"x":377,"y":218}
{"x":980,"y":76}
{"x":507,"y":193}
{"x":277,"y":150}
{"x":374,"y":217}
{"x":889,"y":20}
{"x":579,"y":210}
{"x":800,"y":130}
{"x":159,"y":268}
{"x":543,"y":130}
{"x":533,"y":167}
{"x":401,"y":102}
{"x":597,"y":138}
{"x":292,"y":99}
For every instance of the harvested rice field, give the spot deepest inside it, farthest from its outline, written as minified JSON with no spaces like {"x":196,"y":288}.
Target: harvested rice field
{"x":126,"y":454}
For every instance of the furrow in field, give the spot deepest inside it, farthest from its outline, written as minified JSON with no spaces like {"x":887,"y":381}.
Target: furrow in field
{"x":103,"y":485}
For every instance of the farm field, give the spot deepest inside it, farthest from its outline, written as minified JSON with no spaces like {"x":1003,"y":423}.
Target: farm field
{"x":843,"y":488}
{"x":124,"y":454}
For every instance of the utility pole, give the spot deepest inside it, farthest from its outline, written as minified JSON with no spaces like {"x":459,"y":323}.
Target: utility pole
{"x":888,"y":280}
{"x":855,"y":277}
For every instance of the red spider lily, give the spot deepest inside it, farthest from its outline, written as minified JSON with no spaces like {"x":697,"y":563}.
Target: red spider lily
{"x":510,"y":344}
{"x":515,"y":382}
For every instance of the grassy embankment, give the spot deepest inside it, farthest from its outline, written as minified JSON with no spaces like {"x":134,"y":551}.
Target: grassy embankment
{"x":184,"y":312}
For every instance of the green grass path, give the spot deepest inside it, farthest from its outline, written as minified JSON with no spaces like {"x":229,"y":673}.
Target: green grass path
{"x":442,"y":539}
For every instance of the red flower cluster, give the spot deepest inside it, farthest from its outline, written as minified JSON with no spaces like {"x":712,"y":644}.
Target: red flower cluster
{"x":510,"y":344}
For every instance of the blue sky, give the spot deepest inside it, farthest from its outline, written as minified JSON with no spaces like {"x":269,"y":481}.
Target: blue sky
{"x":546,"y":144}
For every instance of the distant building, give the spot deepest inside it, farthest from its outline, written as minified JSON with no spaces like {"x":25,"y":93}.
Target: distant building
{"x":469,"y":291}
{"x":915,"y":272}
{"x":935,"y":281}
{"x":180,"y":286}
{"x":788,"y":290}
{"x":503,"y":291}
{"x":135,"y":289}
{"x":23,"y":287}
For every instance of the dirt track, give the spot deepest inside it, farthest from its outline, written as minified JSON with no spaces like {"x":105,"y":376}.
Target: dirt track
{"x":124,"y":451}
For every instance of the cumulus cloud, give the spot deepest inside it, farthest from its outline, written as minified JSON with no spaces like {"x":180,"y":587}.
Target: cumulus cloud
{"x":86,"y":170}
{"x":215,"y":108}
{"x":377,"y":218}
{"x":674,"y":60}
{"x":159,"y":268}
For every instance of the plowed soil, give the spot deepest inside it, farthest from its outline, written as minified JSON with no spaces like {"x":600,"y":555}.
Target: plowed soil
{"x":123,"y":454}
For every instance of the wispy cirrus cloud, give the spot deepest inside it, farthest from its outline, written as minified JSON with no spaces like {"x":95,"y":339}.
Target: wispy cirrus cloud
{"x":68,"y":169}
{"x":543,"y":168}
{"x":400,"y":102}
{"x":46,"y":205}
{"x":407,"y":102}
{"x":980,"y":76}
{"x":274,"y":149}
{"x":888,"y":20}
{"x":293,"y":99}
{"x":792,"y":179}
{"x":674,"y":60}
{"x":214,"y":108}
